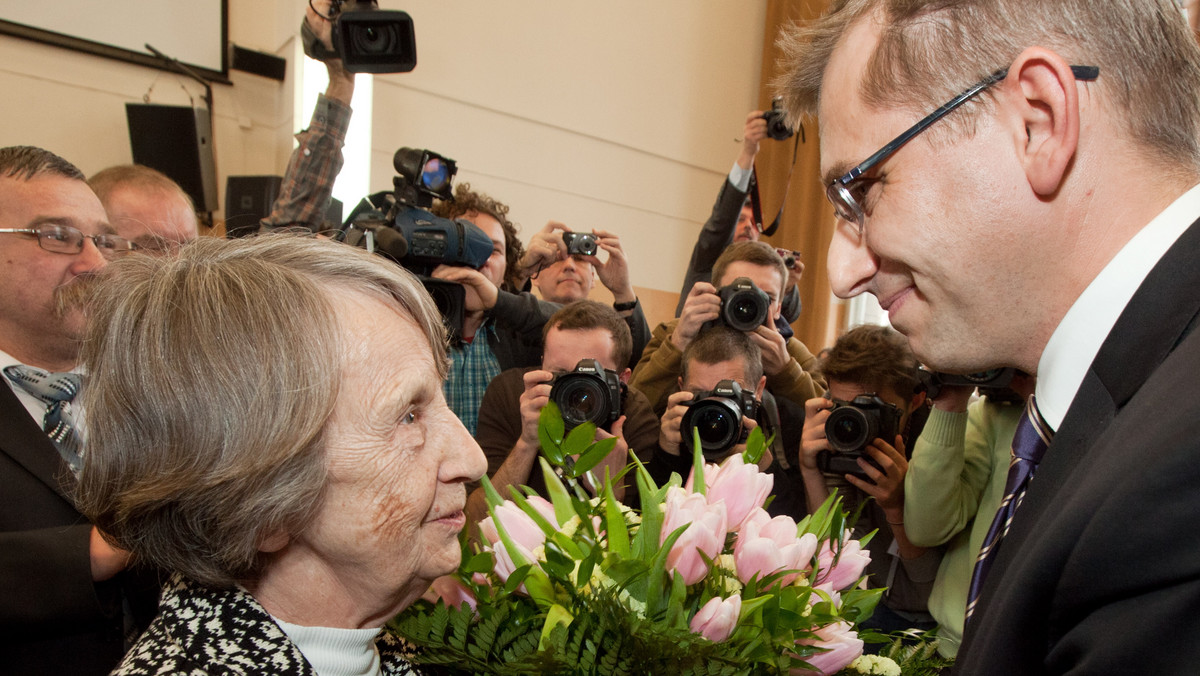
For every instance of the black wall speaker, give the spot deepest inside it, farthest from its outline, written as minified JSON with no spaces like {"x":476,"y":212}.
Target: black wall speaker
{"x":176,"y":140}
{"x":248,"y":200}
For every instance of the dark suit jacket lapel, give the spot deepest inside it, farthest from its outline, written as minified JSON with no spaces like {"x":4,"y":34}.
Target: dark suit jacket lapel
{"x":23,"y":440}
{"x":1160,"y":314}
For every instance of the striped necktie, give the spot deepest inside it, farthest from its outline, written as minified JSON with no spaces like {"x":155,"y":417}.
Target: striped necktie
{"x":56,"y":391}
{"x":1032,"y":438}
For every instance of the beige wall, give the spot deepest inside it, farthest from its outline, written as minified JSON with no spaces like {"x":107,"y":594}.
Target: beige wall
{"x":621,"y":115}
{"x":74,"y":103}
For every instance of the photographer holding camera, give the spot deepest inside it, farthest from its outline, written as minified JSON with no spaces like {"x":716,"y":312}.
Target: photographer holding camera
{"x":857,"y":434}
{"x":732,"y":220}
{"x":956,"y":479}
{"x":508,"y":417}
{"x":723,"y":394}
{"x":787,"y":363}
{"x":564,"y":265}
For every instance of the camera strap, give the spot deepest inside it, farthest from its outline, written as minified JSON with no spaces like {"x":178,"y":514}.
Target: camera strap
{"x":756,"y":201}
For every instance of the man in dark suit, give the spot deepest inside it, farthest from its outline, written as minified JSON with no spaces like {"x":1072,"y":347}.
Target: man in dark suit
{"x":63,"y":602}
{"x":1048,"y":225}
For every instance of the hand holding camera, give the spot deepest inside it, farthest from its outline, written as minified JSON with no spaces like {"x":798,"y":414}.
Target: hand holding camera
{"x":703,"y":305}
{"x":545,"y":248}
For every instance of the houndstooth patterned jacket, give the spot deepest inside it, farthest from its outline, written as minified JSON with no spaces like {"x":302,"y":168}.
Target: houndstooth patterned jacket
{"x":201,"y":631}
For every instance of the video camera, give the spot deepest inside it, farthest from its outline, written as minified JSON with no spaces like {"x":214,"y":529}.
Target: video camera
{"x":399,"y":225}
{"x":590,"y":393}
{"x":851,"y":427}
{"x":717,"y":415}
{"x":366,"y":38}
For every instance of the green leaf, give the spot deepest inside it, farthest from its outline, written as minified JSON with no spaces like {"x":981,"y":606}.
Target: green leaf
{"x":618,"y":535}
{"x":756,"y":445}
{"x":483,"y":562}
{"x":578,"y":440}
{"x":493,"y":496}
{"x":593,"y":455}
{"x":555,"y":617}
{"x":550,"y":432}
{"x":646,"y":541}
{"x":564,"y":509}
{"x":698,"y":484}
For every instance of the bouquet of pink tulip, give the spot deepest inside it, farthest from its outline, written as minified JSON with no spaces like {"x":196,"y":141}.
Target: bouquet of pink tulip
{"x":701,"y":581}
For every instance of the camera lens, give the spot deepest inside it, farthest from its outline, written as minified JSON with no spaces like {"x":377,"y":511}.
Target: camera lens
{"x":848,"y":429}
{"x":435,"y":175}
{"x":745,"y":310}
{"x":719,"y":423}
{"x":714,"y":426}
{"x":580,"y":399}
{"x":372,"y":39}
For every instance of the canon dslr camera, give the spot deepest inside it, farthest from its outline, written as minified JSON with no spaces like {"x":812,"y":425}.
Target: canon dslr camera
{"x":744,"y":306}
{"x":851,"y":427}
{"x":717,"y":415}
{"x":580,"y":243}
{"x":589,"y":394}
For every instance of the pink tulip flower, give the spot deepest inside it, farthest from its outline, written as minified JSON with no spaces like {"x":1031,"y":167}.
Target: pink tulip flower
{"x":843,"y":644}
{"x":743,"y":488}
{"x":706,"y":529}
{"x":765,"y":546}
{"x":452,"y":592}
{"x":523,"y":530}
{"x":717,"y":619}
{"x":850,"y":565}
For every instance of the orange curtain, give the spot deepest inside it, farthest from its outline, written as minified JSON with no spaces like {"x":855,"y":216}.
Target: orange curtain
{"x":807,"y":223}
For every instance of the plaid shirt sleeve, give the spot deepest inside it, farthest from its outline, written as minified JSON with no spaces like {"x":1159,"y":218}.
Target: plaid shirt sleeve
{"x":308,"y":181}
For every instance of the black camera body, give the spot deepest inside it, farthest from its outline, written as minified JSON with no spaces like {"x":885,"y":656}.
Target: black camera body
{"x":580,"y":243}
{"x":777,"y":126}
{"x":744,"y":306}
{"x":851,"y":427}
{"x":366,"y":38}
{"x":717,"y":415}
{"x":590,"y":393}
{"x":993,"y":379}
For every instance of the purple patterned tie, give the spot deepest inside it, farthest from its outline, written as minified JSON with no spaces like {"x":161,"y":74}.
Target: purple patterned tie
{"x":56,"y":390}
{"x":1029,"y":444}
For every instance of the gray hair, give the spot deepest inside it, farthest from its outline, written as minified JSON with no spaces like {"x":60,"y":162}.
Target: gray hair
{"x":930,"y":50}
{"x":214,"y":373}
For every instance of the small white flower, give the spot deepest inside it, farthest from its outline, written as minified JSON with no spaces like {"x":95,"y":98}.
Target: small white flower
{"x":874,"y":665}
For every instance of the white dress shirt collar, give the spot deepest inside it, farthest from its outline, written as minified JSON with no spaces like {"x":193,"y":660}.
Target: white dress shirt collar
{"x":1074,"y":344}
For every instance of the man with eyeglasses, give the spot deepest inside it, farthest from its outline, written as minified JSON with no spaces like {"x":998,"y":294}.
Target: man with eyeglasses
{"x":1041,"y":217}
{"x":63,"y":592}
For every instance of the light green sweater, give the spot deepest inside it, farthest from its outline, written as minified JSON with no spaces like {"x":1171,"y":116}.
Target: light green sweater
{"x":958,"y":469}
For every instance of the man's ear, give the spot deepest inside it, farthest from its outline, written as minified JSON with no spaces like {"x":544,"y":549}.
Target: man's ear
{"x":1045,"y":98}
{"x":625,"y":375}
{"x":762,"y":387}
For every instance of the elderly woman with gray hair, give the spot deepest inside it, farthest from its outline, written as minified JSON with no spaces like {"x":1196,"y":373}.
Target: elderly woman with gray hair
{"x":266,"y":420}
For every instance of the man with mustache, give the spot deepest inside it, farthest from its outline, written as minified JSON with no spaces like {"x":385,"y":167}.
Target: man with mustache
{"x":63,"y":591}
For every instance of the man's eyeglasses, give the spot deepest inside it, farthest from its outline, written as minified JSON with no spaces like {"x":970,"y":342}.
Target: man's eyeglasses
{"x":840,"y":192}
{"x":67,"y":240}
